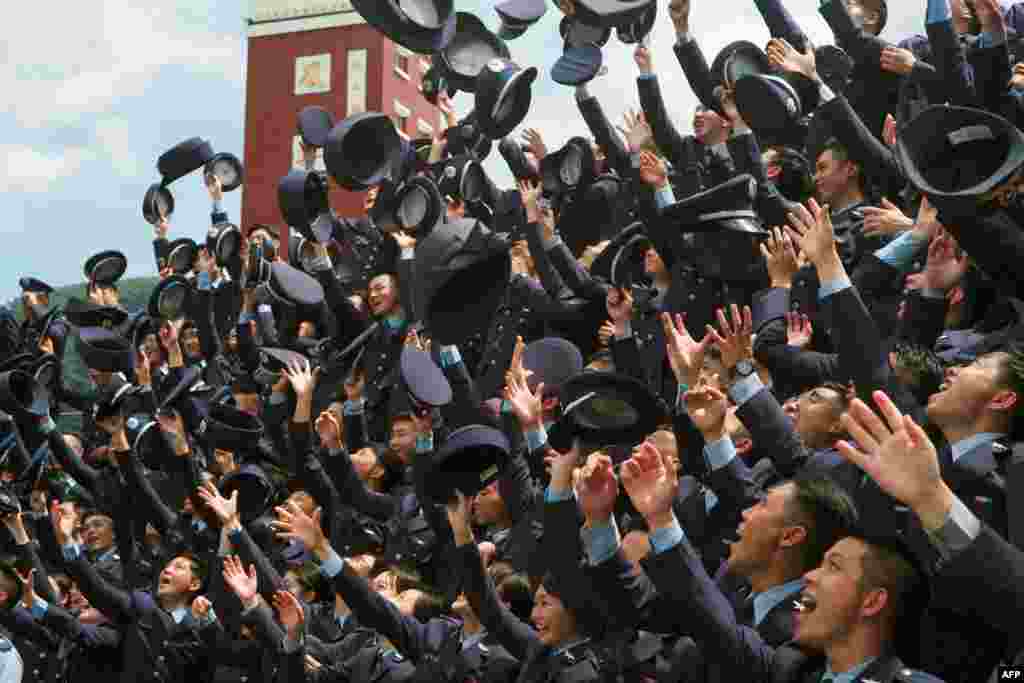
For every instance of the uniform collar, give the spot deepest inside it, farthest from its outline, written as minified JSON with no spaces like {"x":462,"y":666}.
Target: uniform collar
{"x":571,"y":645}
{"x":766,"y":601}
{"x":965,"y":446}
{"x":109,"y":554}
{"x":847,"y":676}
{"x":178,"y":614}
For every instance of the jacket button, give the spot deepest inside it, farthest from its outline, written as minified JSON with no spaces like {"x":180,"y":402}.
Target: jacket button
{"x":693,"y":297}
{"x":380,"y":368}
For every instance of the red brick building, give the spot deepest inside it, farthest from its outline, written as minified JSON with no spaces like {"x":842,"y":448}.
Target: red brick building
{"x":303,"y":52}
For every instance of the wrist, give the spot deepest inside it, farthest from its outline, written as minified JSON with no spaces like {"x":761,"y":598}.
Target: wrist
{"x":713,"y":435}
{"x":933,"y":509}
{"x":561,"y":481}
{"x":661,"y":520}
{"x":322,"y":549}
{"x":463,"y":537}
{"x":252,"y":603}
{"x":830,"y":267}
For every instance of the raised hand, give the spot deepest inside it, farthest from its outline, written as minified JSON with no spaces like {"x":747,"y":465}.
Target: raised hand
{"x":63,"y":520}
{"x":642,"y":57}
{"x":636,"y":130}
{"x":301,"y":377}
{"x":213,"y":186}
{"x":597,"y":488}
{"x":292,"y":522}
{"x":650,"y":482}
{"x":562,"y":466}
{"x":168,"y":336}
{"x":946,"y":266}
{"x":707,"y":408}
{"x":899,"y":456}
{"x":653,"y":170}
{"x":685,"y":354}
{"x":516,"y":371}
{"x":886,"y":219}
{"x":619,"y":304}
{"x":459,"y":519}
{"x":530,"y":192}
{"x":527,"y":406}
{"x":405,"y":240}
{"x":226,"y":509}
{"x":735,"y":343}
{"x":780,"y":258}
{"x":289,"y":613}
{"x":28,"y":587}
{"x":810,"y":228}
{"x":1017,"y":79}
{"x":201,"y":608}
{"x":897,"y":60}
{"x":889,"y":130}
{"x":606,"y":333}
{"x":15,"y":523}
{"x":535,"y":142}
{"x":243,"y":583}
{"x":784,"y":56}
{"x":799,"y":330}
{"x":679,"y":11}
{"x":355,"y":384}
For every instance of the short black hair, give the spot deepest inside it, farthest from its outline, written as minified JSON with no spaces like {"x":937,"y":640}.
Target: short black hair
{"x":826,"y":511}
{"x":841,"y":152}
{"x":795,"y":180}
{"x":923,"y":367}
{"x":1011,"y":376}
{"x":514,"y":589}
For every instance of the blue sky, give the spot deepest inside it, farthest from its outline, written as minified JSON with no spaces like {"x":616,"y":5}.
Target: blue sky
{"x":98,"y":95}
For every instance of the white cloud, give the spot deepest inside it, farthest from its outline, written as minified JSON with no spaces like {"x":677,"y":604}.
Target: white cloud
{"x":100,"y":52}
{"x":28,"y":170}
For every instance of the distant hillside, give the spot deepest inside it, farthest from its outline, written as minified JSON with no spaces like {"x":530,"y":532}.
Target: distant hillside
{"x":134,"y":296}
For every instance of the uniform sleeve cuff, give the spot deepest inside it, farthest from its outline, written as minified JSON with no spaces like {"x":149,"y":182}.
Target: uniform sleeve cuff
{"x":628,"y":331}
{"x":666,"y":538}
{"x":745,"y":389}
{"x":929,"y":293}
{"x":246,"y":318}
{"x":647,"y":77}
{"x":39,"y":608}
{"x":425,"y":444}
{"x":354,"y":407}
{"x":601,"y":541}
{"x":450,"y":356}
{"x":278,"y":398}
{"x":408,"y":253}
{"x":332,"y":565}
{"x":536,"y":439}
{"x":556,"y":496}
{"x":719,"y":453}
{"x":664,"y":196}
{"x":831,"y":287}
{"x":959,"y":530}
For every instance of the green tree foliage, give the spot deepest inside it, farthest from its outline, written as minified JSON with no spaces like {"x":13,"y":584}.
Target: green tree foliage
{"x":134,"y":297}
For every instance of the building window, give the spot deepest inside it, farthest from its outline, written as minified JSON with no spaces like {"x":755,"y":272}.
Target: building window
{"x":402,"y":59}
{"x":401,"y":117}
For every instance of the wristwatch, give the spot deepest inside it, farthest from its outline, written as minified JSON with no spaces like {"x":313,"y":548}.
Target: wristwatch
{"x":744,"y":369}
